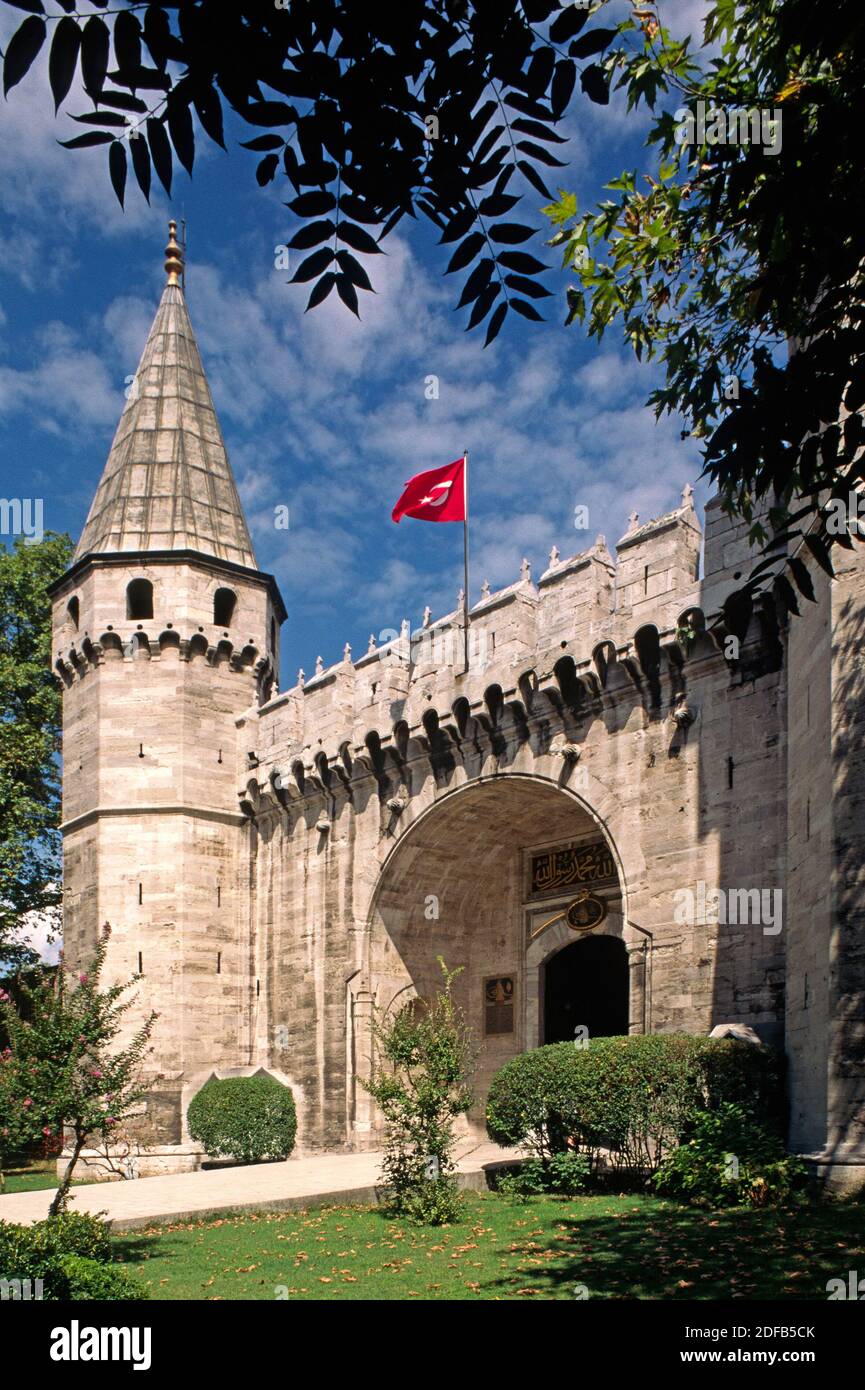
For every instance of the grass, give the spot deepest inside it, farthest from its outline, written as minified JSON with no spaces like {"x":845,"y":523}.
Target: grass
{"x":621,"y":1247}
{"x":35,"y":1178}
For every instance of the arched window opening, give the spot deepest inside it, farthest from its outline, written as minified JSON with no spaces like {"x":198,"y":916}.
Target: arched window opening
{"x":73,"y":609}
{"x":139,"y":599}
{"x":224,"y":604}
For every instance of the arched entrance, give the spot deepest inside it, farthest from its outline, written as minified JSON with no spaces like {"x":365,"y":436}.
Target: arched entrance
{"x":585,"y":986}
{"x":483,"y":879}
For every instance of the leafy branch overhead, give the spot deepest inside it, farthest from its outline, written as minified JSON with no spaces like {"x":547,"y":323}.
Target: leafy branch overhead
{"x":441,"y":109}
{"x":738,"y":262}
{"x":29,"y":743}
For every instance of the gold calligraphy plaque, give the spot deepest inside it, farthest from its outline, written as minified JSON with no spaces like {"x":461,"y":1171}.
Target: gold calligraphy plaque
{"x":572,"y":866}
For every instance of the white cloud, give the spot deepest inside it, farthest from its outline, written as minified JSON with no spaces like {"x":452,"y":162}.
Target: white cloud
{"x":42,"y":931}
{"x":70,"y":386}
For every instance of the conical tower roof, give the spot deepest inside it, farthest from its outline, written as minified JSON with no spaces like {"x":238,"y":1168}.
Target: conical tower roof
{"x":168,"y":484}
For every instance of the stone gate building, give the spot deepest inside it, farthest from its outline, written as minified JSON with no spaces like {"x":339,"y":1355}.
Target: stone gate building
{"x":625,"y":816}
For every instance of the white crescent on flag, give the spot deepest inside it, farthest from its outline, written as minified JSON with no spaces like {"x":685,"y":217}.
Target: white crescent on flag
{"x":438,"y":501}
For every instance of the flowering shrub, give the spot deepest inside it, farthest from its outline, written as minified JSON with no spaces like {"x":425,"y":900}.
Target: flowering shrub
{"x":15,"y":1125}
{"x":62,"y":1071}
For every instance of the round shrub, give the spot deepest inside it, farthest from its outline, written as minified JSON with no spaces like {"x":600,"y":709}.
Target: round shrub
{"x":70,"y":1254}
{"x":248,"y":1118}
{"x":74,"y":1233}
{"x":635,"y":1097}
{"x":91,"y":1281}
{"x":26,"y":1250}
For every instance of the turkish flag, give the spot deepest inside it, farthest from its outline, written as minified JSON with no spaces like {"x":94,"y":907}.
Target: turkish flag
{"x":437,"y":495}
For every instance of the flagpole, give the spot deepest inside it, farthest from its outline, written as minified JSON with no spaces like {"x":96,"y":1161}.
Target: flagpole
{"x":466,"y":558}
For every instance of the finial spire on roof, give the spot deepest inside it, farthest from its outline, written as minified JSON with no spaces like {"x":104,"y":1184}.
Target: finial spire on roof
{"x":173,"y":256}
{"x":168,"y":484}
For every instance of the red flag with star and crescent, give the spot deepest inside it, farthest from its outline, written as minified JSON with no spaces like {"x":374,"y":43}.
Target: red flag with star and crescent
{"x":436,"y":495}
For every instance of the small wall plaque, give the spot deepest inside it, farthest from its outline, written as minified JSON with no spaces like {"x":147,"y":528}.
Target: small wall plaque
{"x":498,"y":1005}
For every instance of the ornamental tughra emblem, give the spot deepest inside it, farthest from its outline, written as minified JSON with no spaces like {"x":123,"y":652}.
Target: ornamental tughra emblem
{"x":585,"y":912}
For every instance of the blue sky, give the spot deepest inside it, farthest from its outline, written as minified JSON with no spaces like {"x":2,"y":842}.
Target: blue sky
{"x":321,"y":413}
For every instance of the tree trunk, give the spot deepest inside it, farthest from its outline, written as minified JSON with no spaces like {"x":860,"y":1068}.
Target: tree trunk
{"x":61,"y":1196}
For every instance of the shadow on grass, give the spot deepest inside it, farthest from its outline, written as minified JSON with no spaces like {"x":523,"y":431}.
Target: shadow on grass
{"x":666,"y":1251}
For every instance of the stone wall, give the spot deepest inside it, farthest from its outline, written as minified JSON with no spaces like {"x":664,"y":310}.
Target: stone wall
{"x":288,"y":865}
{"x":389,"y":782}
{"x":826,"y":938}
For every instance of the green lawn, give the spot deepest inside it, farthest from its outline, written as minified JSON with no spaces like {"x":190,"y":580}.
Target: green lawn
{"x":615,"y":1246}
{"x":36,"y":1178}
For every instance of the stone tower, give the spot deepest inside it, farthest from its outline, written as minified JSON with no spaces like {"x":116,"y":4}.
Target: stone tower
{"x":165,"y":633}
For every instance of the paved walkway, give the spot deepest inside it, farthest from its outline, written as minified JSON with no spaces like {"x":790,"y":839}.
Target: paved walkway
{"x":298,"y":1182}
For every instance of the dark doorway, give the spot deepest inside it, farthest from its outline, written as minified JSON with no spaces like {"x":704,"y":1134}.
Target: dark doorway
{"x":586,"y":984}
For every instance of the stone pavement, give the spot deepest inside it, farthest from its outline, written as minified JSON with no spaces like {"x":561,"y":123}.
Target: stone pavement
{"x":298,"y":1182}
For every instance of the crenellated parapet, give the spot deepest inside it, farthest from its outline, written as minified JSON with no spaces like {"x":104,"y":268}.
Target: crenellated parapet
{"x":546,"y":662}
{"x":592,"y":637}
{"x":81,"y":656}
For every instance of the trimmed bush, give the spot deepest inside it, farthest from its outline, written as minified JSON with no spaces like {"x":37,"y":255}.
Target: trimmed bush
{"x":71,"y":1254}
{"x":75,"y":1233}
{"x":248,"y":1118}
{"x":635,"y":1097}
{"x":729,"y":1159}
{"x":69,"y":1233}
{"x":90,"y":1281}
